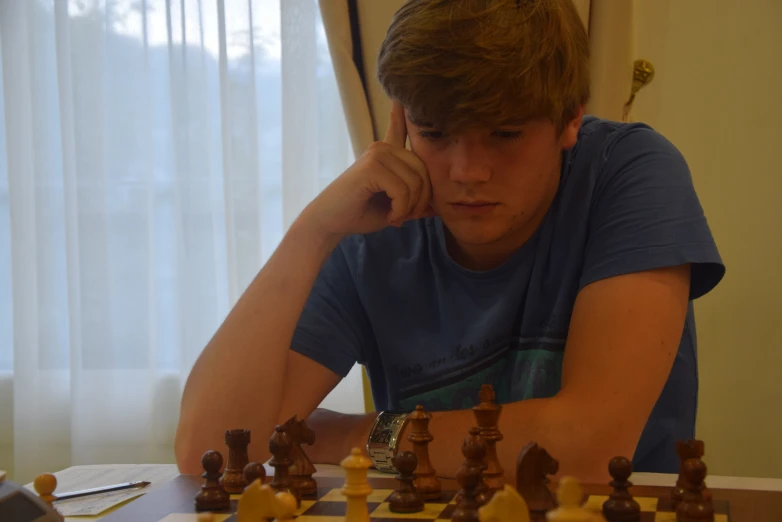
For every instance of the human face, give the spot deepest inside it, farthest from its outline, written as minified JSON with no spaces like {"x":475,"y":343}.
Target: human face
{"x":492,"y":188}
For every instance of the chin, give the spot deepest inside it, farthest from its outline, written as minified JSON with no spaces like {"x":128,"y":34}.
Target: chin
{"x":478,"y":232}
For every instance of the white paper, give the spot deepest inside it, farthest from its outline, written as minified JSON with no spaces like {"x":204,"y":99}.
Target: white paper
{"x":92,"y":476}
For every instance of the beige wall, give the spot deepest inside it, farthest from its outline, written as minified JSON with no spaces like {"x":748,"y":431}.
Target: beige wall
{"x":716,"y":96}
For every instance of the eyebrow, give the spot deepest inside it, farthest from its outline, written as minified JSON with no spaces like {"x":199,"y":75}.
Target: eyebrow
{"x":418,"y":123}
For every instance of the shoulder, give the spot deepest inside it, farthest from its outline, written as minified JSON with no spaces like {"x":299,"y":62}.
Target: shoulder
{"x":610,"y":149}
{"x":635,"y":192}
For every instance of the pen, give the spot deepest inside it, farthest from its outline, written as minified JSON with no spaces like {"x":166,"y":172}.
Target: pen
{"x":102,"y":489}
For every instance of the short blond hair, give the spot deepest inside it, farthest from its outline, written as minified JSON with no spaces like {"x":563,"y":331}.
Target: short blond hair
{"x":458,"y":64}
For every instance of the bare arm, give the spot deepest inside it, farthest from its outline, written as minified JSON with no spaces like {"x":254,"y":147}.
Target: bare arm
{"x":237,"y":381}
{"x":247,"y":376}
{"x":623,"y":338}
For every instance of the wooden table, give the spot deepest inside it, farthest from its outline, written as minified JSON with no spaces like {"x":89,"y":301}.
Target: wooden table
{"x":762,"y":504}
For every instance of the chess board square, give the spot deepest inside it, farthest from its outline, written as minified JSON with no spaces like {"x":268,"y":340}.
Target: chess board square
{"x":377,"y":496}
{"x":305,"y":505}
{"x":322,"y":491}
{"x":430,"y":511}
{"x":670,"y":516}
{"x":595,"y":503}
{"x":330,"y":509}
{"x":447,"y":513}
{"x":192,"y":517}
{"x":446,"y":497}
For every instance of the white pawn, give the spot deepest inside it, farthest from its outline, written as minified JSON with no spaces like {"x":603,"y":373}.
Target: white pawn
{"x":256,"y":503}
{"x":44,"y":485}
{"x":357,"y":487}
{"x":570,"y":507}
{"x":505,"y":505}
{"x":284,"y":506}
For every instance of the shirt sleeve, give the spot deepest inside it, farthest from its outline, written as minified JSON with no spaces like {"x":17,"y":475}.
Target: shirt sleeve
{"x":646,"y":214}
{"x":333,"y":327}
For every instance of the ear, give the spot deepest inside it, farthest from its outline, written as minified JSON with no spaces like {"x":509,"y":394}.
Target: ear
{"x":570,"y":132}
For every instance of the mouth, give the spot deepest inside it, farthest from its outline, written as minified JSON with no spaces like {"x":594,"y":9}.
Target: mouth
{"x":473,"y":206}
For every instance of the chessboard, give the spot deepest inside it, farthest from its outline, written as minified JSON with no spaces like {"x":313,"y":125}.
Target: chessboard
{"x":173,"y":502}
{"x":236,"y":489}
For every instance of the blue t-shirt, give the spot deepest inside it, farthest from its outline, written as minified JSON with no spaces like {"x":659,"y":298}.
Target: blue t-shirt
{"x":431,"y":332}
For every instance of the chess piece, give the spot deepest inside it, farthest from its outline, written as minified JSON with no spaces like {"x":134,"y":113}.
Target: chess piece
{"x":505,"y":505}
{"x":570,"y":498}
{"x":475,"y":451}
{"x":356,"y":488}
{"x":301,"y":468}
{"x":696,"y":504}
{"x":44,"y":486}
{"x":468,"y":477}
{"x":406,"y":498}
{"x":284,"y":506}
{"x":280,"y":447}
{"x":426,"y":481}
{"x":685,"y":449}
{"x":254,"y":471}
{"x":487,"y":415}
{"x":255,"y":503}
{"x":621,"y":506}
{"x":533,"y":466}
{"x":233,"y":476}
{"x":213,"y":496}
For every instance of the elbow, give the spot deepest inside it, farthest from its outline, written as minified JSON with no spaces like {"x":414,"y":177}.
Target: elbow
{"x":590,"y":459}
{"x":589,"y":441}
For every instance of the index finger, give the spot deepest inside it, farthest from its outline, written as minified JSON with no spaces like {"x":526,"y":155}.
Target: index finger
{"x":396,"y":133}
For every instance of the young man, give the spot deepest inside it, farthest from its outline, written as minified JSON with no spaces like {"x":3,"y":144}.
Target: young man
{"x":517,"y":243}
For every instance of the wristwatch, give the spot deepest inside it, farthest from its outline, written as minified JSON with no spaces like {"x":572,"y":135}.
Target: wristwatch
{"x":383,"y":441}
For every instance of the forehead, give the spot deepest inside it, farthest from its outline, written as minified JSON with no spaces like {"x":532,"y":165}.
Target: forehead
{"x":511,"y":121}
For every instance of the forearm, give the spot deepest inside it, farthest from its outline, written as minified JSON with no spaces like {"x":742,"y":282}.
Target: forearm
{"x":237,"y":381}
{"x":568,"y":432}
{"x":581,"y":448}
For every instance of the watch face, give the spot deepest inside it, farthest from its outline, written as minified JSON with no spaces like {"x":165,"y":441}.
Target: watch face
{"x":385,"y":429}
{"x":384,"y":436}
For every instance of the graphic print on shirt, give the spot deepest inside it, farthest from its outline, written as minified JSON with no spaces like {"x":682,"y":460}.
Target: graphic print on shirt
{"x":524,"y":368}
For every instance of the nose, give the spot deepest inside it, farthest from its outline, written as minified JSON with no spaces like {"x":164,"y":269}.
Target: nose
{"x":469,"y":162}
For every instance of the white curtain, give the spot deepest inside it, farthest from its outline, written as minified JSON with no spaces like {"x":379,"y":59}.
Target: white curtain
{"x":152,"y":155}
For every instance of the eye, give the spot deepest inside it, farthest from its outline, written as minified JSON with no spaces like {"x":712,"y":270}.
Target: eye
{"x":508,"y":135}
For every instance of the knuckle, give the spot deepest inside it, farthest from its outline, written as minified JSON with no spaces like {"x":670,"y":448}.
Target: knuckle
{"x":375,"y":147}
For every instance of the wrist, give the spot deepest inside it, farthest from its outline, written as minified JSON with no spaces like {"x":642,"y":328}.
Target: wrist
{"x":336,"y":434}
{"x":311,"y":226}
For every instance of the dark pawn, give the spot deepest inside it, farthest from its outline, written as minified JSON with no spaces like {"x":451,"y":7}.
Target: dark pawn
{"x":253,"y":471}
{"x":474,"y":450}
{"x":280,"y":446}
{"x":621,"y":506}
{"x":468,"y":478}
{"x":696,"y":505}
{"x":406,"y":499}
{"x":685,"y":449}
{"x":212,"y":497}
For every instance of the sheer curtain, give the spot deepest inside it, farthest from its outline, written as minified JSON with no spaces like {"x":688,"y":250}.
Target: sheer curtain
{"x":152,"y":155}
